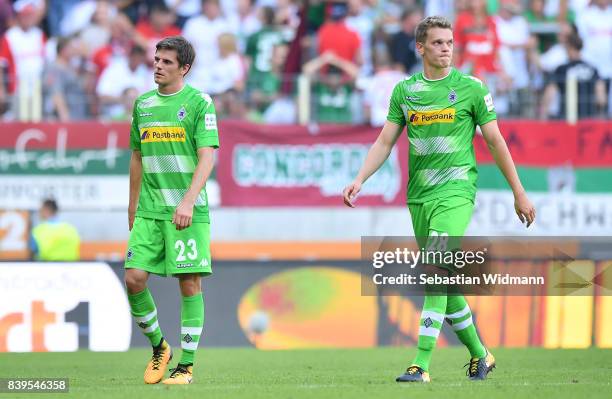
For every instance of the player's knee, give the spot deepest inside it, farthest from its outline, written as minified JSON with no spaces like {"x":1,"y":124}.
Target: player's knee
{"x":190,"y":285}
{"x":135,"y":282}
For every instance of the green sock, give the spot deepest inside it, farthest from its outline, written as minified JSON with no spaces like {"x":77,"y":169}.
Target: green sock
{"x":192,"y":322}
{"x":145,"y":313}
{"x":460,"y":316}
{"x":432,"y":318}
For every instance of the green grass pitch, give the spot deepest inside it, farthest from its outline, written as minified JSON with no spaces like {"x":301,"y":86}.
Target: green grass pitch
{"x":297,"y":374}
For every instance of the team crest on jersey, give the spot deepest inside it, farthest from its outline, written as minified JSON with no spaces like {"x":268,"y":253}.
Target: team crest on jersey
{"x":181,"y":113}
{"x":452,"y":96}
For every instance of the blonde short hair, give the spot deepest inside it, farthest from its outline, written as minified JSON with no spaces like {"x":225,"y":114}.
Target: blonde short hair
{"x":227,"y":43}
{"x":428,"y":23}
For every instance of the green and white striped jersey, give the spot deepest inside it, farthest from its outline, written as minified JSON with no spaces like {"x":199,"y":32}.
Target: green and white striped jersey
{"x":168,"y":130}
{"x":441,"y":118}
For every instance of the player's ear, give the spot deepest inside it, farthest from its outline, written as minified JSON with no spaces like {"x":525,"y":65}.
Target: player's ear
{"x":185,"y":69}
{"x":420,"y":48}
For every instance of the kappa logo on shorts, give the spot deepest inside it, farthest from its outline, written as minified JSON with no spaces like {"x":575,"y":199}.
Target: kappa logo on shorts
{"x":203,"y":263}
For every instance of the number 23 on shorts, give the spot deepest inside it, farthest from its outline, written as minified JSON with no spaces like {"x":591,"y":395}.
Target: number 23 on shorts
{"x":188,"y":251}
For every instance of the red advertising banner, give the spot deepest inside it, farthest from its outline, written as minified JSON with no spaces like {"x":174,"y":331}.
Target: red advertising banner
{"x":263,"y":165}
{"x":532,"y":143}
{"x":293,"y":165}
{"x":71,"y":135}
{"x":554,"y":143}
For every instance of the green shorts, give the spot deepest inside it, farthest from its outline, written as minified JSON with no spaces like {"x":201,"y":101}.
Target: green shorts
{"x":156,"y":246}
{"x":434,"y":221}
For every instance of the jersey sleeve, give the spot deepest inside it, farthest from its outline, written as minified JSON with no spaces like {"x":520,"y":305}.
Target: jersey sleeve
{"x":483,"y":108}
{"x":396,"y":114}
{"x":134,"y":132}
{"x":206,"y":131}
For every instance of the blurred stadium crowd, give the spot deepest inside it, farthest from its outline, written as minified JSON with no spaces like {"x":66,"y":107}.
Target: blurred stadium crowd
{"x":265,"y":60}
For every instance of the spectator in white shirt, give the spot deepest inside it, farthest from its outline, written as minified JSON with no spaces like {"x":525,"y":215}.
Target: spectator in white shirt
{"x":556,"y":55}
{"x":22,"y":53}
{"x":184,"y":9}
{"x":244,"y":21}
{"x":98,"y":32}
{"x":123,"y":73}
{"x":378,"y":88}
{"x":359,"y":21}
{"x":515,"y":41}
{"x":203,"y":32}
{"x":595,"y":28}
{"x":228,"y":77}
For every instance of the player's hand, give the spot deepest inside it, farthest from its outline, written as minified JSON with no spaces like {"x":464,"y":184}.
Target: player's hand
{"x":182,"y":215}
{"x":350,"y":193}
{"x":524,"y":209}
{"x":131,"y":217}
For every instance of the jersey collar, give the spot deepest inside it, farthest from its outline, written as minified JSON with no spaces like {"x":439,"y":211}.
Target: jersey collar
{"x":450,"y":71}
{"x":171,"y":94}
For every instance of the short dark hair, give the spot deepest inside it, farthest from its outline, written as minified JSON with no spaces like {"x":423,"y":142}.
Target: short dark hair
{"x":185,"y":54}
{"x":268,"y":15}
{"x":428,"y":23}
{"x":574,"y":41}
{"x":160,"y":8}
{"x":51,"y":205}
{"x":138,"y":50}
{"x":62,"y":42}
{"x":408,"y":11}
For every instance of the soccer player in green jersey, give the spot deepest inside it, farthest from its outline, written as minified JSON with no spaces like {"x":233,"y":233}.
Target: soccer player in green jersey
{"x":440,"y":108}
{"x":173,"y":138}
